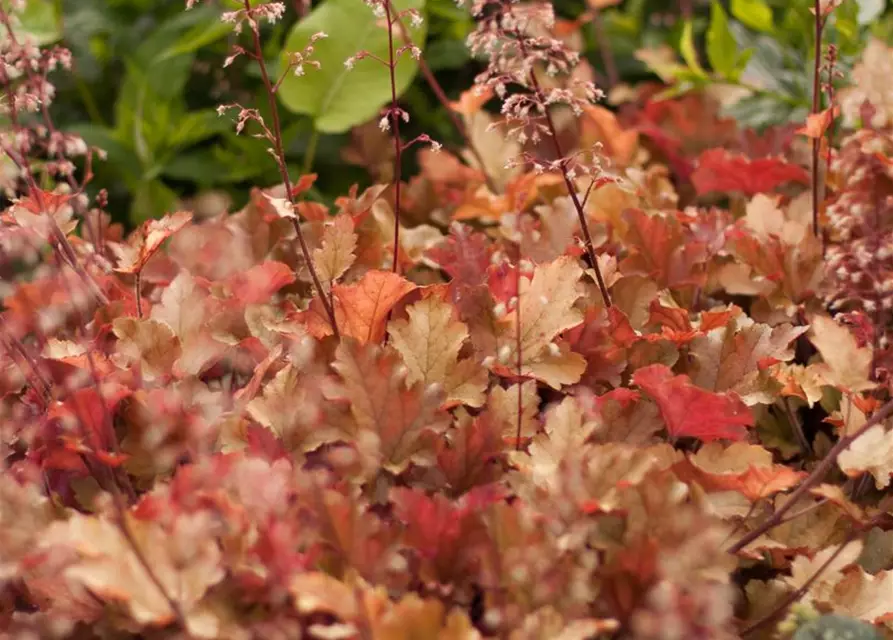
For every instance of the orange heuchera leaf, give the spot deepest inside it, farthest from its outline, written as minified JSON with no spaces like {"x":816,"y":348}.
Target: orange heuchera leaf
{"x":471,"y":101}
{"x":690,"y":411}
{"x":721,"y":171}
{"x":817,"y":123}
{"x":741,"y":467}
{"x":413,"y":617}
{"x":729,"y":358}
{"x":361,"y":309}
{"x":599,"y":125}
{"x":394,"y":421}
{"x":147,"y":240}
{"x":429,"y":342}
{"x":336,"y":255}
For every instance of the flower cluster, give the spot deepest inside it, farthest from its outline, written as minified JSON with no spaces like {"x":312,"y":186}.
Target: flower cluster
{"x":518,"y":43}
{"x":859,"y":258}
{"x":27,"y":93}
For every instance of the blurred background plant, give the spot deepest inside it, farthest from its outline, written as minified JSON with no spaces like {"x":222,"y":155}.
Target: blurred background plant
{"x":148,"y":78}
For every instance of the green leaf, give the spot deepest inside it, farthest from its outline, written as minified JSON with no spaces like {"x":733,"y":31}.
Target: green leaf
{"x":152,"y":199}
{"x":335,"y":97}
{"x":118,"y":155}
{"x":830,"y":627}
{"x":755,"y":14}
{"x":197,"y":126}
{"x":446,"y":54}
{"x":722,"y":50}
{"x":40,"y":20}
{"x":687,"y":49}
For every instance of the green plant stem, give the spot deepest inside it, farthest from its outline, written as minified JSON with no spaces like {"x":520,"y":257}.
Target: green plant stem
{"x":310,"y":152}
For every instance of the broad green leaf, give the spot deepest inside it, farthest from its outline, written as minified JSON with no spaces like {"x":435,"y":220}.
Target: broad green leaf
{"x":197,"y":126}
{"x":152,"y":199}
{"x":687,"y":49}
{"x":40,"y":20}
{"x":118,"y":155}
{"x":755,"y":14}
{"x":335,"y":97}
{"x":722,"y":50}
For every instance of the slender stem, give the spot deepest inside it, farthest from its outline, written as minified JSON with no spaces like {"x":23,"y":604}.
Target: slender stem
{"x":816,"y":107}
{"x":520,"y":359}
{"x":813,"y":478}
{"x":176,"y":609}
{"x":441,"y":96}
{"x":283,"y":169}
{"x":796,"y":426}
{"x":310,"y":153}
{"x":394,"y":113}
{"x":138,"y":292}
{"x":801,"y":591}
{"x":571,"y":188}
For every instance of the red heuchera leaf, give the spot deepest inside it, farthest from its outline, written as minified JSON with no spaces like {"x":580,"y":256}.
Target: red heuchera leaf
{"x":258,"y":284}
{"x":441,"y":530}
{"x":691,"y":411}
{"x":464,"y":255}
{"x":719,"y":170}
{"x":467,"y":455}
{"x":661,"y":248}
{"x":85,"y":426}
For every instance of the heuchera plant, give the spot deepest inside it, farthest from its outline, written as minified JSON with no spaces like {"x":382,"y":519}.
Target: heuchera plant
{"x":593,"y":375}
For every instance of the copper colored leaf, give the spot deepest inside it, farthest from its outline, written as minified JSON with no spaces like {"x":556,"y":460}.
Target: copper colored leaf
{"x":186,"y":561}
{"x":429,"y":342}
{"x":502,"y":405}
{"x":150,"y":342}
{"x":745,"y":468}
{"x":336,"y":255}
{"x":467,"y":454}
{"x":147,"y":240}
{"x":361,"y":309}
{"x":291,"y":408}
{"x":258,"y":284}
{"x":547,"y":310}
{"x":691,"y":411}
{"x":847,"y":365}
{"x":394,"y":420}
{"x":661,"y":249}
{"x":733,"y":358}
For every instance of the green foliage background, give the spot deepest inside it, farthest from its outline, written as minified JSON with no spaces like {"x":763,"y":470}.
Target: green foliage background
{"x":148,"y":79}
